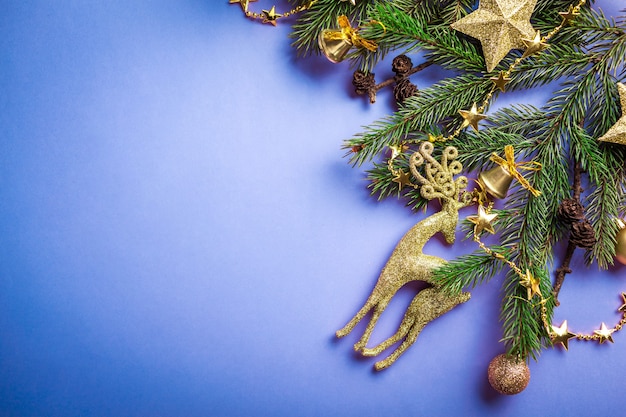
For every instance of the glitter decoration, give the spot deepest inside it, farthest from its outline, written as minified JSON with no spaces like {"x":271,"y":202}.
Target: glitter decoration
{"x":617,"y":133}
{"x":408,"y":263}
{"x":508,"y":375}
{"x":499,"y":25}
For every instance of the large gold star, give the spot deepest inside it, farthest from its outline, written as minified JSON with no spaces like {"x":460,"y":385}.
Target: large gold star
{"x":617,"y":133}
{"x":270,"y":16}
{"x":243,"y":3}
{"x":482,"y":221}
{"x":604,"y":333}
{"x":499,"y":25}
{"x":471,"y":117}
{"x":562,"y":335}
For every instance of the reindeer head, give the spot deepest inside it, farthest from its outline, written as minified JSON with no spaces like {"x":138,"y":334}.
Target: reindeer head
{"x":438,"y":182}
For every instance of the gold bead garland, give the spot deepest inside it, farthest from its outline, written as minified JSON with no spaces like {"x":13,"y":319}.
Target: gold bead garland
{"x":270,"y":16}
{"x":475,"y":114}
{"x":560,"y":334}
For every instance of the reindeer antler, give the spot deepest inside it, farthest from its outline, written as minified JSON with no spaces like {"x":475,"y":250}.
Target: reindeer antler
{"x":438,"y":179}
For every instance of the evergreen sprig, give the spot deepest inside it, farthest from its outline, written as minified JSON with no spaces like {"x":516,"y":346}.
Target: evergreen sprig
{"x":585,"y":59}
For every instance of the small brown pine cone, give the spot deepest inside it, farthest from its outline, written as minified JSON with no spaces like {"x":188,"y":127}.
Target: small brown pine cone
{"x":403,"y":90}
{"x":363,"y":82}
{"x":583,"y":235}
{"x":571,"y":211}
{"x":401,"y":65}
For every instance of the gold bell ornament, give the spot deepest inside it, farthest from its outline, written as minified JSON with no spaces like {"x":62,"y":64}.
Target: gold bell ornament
{"x":620,"y":248}
{"x":497,"y":180}
{"x":336,"y":43}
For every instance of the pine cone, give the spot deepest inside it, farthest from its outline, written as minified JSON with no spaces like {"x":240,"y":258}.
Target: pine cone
{"x":404,"y":89}
{"x":571,"y":211}
{"x":401,"y":65}
{"x":583,"y":235}
{"x":363,"y":82}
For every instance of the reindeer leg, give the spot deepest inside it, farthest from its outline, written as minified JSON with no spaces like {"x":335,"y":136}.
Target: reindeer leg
{"x":403,"y":330}
{"x":411,"y":337}
{"x":415,"y":322}
{"x":429,"y":304}
{"x":369,"y":304}
{"x":378,"y":310}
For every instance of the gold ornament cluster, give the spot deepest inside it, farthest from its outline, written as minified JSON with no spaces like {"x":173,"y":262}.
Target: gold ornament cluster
{"x":270,"y":16}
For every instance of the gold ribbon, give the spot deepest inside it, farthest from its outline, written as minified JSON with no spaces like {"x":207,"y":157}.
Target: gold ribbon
{"x":351,"y":35}
{"x":510,"y":165}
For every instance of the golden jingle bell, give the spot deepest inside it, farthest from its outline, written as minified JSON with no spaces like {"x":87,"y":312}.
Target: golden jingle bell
{"x":496,"y":181}
{"x":334,"y":45}
{"x":620,"y":248}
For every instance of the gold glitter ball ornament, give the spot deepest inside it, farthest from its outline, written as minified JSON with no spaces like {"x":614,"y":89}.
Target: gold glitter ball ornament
{"x":508,"y":375}
{"x":499,"y":25}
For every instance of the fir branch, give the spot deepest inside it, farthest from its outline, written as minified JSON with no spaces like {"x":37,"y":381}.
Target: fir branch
{"x":322,"y":15}
{"x":400,"y":30}
{"x":469,"y":271}
{"x":604,"y":206}
{"x":476,"y":148}
{"x":519,"y":119}
{"x":586,"y":151}
{"x":556,"y":62}
{"x":524,"y":333}
{"x":419,"y":114}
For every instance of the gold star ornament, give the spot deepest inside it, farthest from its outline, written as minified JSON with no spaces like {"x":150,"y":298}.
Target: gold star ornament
{"x":243,"y":3}
{"x":270,"y":16}
{"x":534,"y":45}
{"x":531,"y":284}
{"x":471,"y":117}
{"x":622,"y":309}
{"x":501,"y":81}
{"x":482,"y":221}
{"x":569,"y":15}
{"x":617,"y":133}
{"x":604,"y":333}
{"x":402,"y":179}
{"x":561,"y":335}
{"x":499,"y":25}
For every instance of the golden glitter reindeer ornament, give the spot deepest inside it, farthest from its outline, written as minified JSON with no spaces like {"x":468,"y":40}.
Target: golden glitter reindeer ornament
{"x":408,"y":263}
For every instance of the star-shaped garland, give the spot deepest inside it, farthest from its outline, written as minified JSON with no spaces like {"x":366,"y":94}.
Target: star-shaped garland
{"x":270,"y":16}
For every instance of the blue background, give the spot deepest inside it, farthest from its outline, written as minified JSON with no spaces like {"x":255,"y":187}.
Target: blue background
{"x":181,"y":234}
